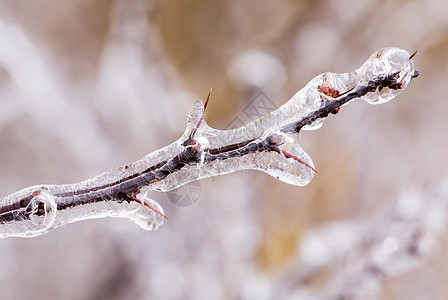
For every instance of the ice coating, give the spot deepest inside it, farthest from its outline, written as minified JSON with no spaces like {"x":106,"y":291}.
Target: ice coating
{"x":269,"y":144}
{"x":275,"y":164}
{"x":44,"y":215}
{"x":43,"y":211}
{"x":387,"y":61}
{"x":304,"y":102}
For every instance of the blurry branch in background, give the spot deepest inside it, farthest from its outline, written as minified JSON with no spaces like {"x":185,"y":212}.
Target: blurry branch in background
{"x":362,"y":255}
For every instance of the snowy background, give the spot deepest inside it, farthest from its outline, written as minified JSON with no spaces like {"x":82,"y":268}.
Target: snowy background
{"x":89,"y":85}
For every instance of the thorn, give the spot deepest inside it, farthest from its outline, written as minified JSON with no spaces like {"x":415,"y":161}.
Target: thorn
{"x":205,"y":107}
{"x":289,"y":155}
{"x":416,"y":73}
{"x":193,"y":132}
{"x":206,"y":101}
{"x":413,"y":54}
{"x":134,"y":197}
{"x":347,"y":91}
{"x":154,"y":210}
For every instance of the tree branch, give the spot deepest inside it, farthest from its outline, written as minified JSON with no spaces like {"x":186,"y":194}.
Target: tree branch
{"x":269,"y":144}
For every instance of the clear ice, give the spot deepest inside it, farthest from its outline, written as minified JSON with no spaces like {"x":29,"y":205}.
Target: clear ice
{"x":43,"y":206}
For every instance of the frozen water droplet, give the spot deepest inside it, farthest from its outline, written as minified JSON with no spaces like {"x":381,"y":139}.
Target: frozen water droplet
{"x":382,"y":63}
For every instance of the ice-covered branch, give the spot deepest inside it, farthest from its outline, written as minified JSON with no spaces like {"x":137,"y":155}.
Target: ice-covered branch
{"x":269,"y":144}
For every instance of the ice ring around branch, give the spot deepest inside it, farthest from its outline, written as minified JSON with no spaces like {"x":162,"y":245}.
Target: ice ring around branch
{"x":269,"y":144}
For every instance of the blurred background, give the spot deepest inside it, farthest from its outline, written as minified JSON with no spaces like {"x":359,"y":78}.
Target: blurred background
{"x":89,"y":85}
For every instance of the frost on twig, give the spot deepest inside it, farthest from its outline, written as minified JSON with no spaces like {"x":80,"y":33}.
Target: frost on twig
{"x":269,"y":144}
